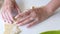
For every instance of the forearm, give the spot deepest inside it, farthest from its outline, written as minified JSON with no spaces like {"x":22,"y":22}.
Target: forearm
{"x":53,"y":5}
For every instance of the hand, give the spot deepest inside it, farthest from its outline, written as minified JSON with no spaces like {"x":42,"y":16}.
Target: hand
{"x":33,"y":16}
{"x":7,"y":10}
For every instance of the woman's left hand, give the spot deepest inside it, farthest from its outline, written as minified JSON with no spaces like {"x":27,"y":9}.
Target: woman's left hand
{"x":33,"y":16}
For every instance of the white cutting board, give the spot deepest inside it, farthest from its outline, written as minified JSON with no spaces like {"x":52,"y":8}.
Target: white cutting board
{"x":53,"y":23}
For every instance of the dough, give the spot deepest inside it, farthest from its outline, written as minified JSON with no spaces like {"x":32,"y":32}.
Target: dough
{"x":11,"y":29}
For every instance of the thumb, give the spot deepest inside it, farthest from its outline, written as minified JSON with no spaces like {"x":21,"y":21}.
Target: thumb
{"x":17,"y":8}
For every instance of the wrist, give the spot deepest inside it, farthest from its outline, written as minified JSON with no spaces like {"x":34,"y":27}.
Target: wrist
{"x":48,"y":10}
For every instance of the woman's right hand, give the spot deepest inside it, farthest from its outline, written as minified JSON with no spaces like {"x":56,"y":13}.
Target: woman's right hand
{"x":9,"y":7}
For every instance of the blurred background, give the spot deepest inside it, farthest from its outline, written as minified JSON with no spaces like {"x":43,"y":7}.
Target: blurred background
{"x":27,"y":4}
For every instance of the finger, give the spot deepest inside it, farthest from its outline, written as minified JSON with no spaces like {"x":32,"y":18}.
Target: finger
{"x":10,"y":15}
{"x":7,"y":18}
{"x":24,"y":14}
{"x":3,"y":18}
{"x":26,"y":21}
{"x":32,"y":23}
{"x":19,"y":11}
{"x":23,"y":19}
{"x":10,"y":21}
{"x":3,"y":14}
